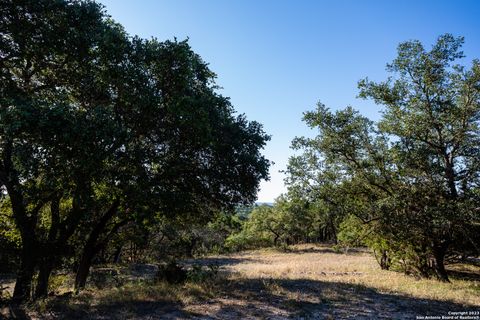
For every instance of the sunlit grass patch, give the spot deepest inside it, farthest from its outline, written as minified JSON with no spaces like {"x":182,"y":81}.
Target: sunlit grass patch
{"x":356,"y":268}
{"x":301,"y":281}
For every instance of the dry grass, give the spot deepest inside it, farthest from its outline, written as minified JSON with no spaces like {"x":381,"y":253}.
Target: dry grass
{"x":308,"y":282}
{"x":355,"y":268}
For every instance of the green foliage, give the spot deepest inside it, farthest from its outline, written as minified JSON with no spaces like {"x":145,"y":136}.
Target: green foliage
{"x":10,"y":240}
{"x":412,"y":179}
{"x":100,"y":131}
{"x":199,"y":274}
{"x":4,"y":294}
{"x":352,"y":233}
{"x":253,"y":233}
{"x":290,"y":220}
{"x":57,"y":281}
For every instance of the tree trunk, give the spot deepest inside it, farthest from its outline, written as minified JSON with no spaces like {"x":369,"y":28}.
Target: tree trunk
{"x":26,"y":225}
{"x":92,"y":247}
{"x":275,"y":240}
{"x":45,"y":270}
{"x":24,"y":221}
{"x":385,"y":261}
{"x":84,"y":267}
{"x":191,"y":247}
{"x":117,"y":254}
{"x":23,"y":284}
{"x":333,"y":231}
{"x":50,"y":250}
{"x":439,"y":262}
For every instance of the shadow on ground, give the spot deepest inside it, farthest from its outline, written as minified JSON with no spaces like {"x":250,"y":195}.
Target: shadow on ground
{"x":313,"y":299}
{"x":464,"y":275}
{"x":326,"y":250}
{"x":265,"y":299}
{"x":258,"y":298}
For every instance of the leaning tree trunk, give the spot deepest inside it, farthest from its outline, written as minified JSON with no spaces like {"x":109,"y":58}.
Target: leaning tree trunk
{"x":275,"y":240}
{"x":92,"y":247}
{"x":84,"y":266}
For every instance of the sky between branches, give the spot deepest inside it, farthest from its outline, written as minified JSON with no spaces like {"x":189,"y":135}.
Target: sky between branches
{"x":276,"y":59}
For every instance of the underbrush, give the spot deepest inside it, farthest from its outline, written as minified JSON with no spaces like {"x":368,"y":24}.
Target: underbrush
{"x":110,"y":288}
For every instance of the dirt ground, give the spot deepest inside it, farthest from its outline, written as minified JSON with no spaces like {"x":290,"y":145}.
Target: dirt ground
{"x":310,"y":282}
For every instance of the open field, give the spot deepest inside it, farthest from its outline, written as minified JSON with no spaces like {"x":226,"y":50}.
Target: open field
{"x":309,"y":282}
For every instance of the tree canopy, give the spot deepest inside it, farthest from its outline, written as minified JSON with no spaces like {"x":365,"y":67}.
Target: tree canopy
{"x":99,"y":130}
{"x":412,"y":178}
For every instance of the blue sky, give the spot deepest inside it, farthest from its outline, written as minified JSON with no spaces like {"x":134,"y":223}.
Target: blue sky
{"x":276,"y":59}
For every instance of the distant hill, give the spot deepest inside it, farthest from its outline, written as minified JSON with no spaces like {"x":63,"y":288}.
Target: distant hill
{"x":270,"y":204}
{"x":244,"y":211}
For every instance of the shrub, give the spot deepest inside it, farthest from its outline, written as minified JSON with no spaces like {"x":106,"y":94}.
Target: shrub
{"x":171,"y":272}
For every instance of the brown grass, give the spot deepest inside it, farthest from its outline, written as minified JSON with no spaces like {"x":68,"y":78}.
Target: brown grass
{"x":308,"y":282}
{"x":354,"y":268}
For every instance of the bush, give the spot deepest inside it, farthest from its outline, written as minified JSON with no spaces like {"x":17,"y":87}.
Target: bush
{"x":106,"y":277}
{"x":57,"y":281}
{"x":171,"y":272}
{"x":200,"y":274}
{"x":246,"y":239}
{"x":352,"y":232}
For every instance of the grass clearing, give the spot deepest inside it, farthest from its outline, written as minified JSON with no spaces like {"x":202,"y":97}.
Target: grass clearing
{"x":357,"y":268}
{"x":308,"y":282}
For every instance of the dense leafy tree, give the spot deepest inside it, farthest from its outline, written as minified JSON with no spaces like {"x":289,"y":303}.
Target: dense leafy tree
{"x":413,"y":177}
{"x":432,"y":108}
{"x":43,"y":78}
{"x":99,"y":130}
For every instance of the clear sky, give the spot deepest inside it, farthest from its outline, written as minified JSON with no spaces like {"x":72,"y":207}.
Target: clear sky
{"x":276,"y":59}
